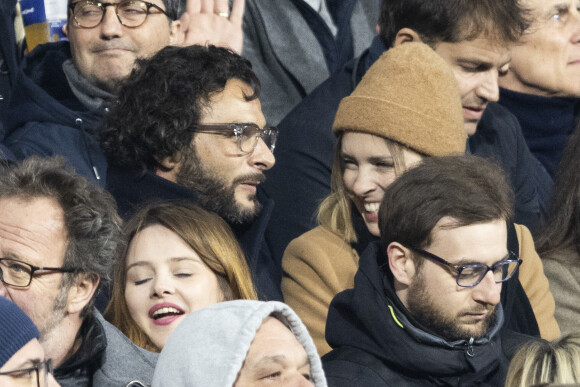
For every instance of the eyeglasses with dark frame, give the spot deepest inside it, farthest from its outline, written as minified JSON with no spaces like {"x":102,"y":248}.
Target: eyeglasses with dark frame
{"x":247,"y":134}
{"x":470,"y":275}
{"x":130,"y":13}
{"x":41,"y":369}
{"x":19,"y":274}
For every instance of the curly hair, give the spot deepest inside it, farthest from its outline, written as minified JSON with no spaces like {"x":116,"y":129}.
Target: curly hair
{"x":452,"y":21}
{"x":93,"y":227}
{"x":164,"y":98}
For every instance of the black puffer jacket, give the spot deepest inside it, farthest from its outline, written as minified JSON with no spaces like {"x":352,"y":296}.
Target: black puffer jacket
{"x":377,"y":343}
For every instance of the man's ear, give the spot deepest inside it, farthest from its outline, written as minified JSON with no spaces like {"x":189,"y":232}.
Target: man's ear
{"x":81,"y":292}
{"x":170,"y":167}
{"x":401,"y":263}
{"x":406,"y":35}
{"x":65,"y":30}
{"x":176,"y":35}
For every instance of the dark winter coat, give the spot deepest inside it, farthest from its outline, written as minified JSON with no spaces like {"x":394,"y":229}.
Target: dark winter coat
{"x":45,"y":118}
{"x":377,"y":343}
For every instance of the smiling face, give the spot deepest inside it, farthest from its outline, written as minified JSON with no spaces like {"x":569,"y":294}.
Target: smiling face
{"x":547,"y":62}
{"x":275,"y":358}
{"x":368,"y":169}
{"x":476,"y":65}
{"x":434,"y":298}
{"x":166,"y":280}
{"x":225,"y":178}
{"x":106,"y":53}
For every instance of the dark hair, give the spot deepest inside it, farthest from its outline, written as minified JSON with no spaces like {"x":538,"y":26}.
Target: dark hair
{"x":467,"y":188}
{"x":562,"y":228}
{"x":93,"y":228}
{"x":164,"y":98}
{"x":453,"y":20}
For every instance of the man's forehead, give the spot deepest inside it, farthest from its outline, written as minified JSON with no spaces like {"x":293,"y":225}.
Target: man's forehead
{"x":31,"y":217}
{"x":480,"y":50}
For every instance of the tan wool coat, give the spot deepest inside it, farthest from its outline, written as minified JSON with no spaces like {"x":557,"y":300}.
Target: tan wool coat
{"x":319,"y":264}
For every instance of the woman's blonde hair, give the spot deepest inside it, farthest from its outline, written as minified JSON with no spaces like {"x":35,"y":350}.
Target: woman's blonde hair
{"x":540,"y":362}
{"x":335,"y":211}
{"x":206,"y":234}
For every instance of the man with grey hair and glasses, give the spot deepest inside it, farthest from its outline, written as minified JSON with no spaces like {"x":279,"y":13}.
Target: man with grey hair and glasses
{"x":68,"y":87}
{"x":426,"y":308}
{"x":188,"y":125}
{"x":59,"y":236}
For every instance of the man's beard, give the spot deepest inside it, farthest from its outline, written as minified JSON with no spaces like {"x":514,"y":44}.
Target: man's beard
{"x":423,"y":309}
{"x":57,"y":314}
{"x":214,"y":194}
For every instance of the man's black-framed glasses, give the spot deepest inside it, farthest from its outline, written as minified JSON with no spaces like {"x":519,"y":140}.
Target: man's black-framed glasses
{"x":131,"y":13}
{"x":26,"y":376}
{"x":19,"y":274}
{"x":470,"y":275}
{"x":246,"y":134}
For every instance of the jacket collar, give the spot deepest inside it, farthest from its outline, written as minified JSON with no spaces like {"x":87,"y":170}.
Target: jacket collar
{"x":89,"y":357}
{"x":378,"y":324}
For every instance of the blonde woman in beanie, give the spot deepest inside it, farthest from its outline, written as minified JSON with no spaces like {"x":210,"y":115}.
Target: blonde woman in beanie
{"x":406,"y":107}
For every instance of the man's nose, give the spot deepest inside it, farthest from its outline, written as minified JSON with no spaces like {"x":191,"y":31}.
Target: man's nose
{"x":111,"y":24}
{"x":487,"y":290}
{"x":262,"y":157}
{"x":488,"y":88}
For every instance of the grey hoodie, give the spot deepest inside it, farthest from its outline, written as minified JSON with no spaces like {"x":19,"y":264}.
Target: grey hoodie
{"x":209,"y":347}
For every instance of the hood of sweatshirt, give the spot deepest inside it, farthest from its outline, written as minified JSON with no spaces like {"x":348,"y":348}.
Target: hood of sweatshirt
{"x":209,"y":347}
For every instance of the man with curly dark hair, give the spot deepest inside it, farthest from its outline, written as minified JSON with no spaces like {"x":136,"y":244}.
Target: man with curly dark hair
{"x":188,"y":124}
{"x":59,"y":236}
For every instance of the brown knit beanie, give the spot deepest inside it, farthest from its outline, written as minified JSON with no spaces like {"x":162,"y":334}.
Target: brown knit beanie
{"x":409,"y":95}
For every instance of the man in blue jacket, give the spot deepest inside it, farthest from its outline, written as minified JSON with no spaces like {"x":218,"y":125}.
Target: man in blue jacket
{"x":188,"y":125}
{"x":474,"y":37}
{"x":425,"y":309}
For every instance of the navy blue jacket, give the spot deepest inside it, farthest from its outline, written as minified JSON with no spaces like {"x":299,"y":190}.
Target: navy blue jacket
{"x":9,"y":69}
{"x":45,"y":118}
{"x":305,"y":151}
{"x":132,"y":189}
{"x":378,"y":343}
{"x":546,"y":123}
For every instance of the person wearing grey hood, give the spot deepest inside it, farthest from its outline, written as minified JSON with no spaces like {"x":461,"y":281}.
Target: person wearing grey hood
{"x":240,"y":343}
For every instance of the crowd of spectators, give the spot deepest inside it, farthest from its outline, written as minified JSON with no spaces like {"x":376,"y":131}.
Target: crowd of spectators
{"x":292,"y":193}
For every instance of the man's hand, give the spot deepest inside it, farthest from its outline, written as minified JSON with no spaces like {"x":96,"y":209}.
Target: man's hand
{"x":210,"y":21}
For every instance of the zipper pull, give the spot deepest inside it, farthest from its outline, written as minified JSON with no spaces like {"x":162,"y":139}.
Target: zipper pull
{"x":470,"y":347}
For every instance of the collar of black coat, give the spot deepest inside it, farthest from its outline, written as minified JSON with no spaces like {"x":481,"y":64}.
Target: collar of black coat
{"x":371,"y":318}
{"x":89,"y":357}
